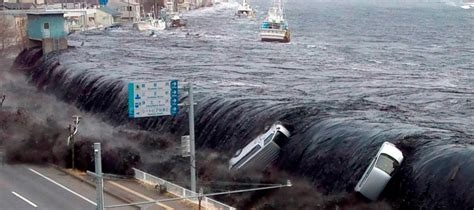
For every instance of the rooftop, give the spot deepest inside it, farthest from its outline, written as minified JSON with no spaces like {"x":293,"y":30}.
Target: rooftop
{"x":39,"y":12}
{"x":110,"y":11}
{"x":17,"y":6}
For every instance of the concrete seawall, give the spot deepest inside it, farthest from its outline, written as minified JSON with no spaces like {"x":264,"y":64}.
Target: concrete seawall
{"x":13,"y":36}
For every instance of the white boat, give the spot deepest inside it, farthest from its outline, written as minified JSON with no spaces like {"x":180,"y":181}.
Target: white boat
{"x":261,"y":151}
{"x":245,"y":10}
{"x":176,"y":21}
{"x":467,"y":4}
{"x":274,"y":27}
{"x":150,"y":24}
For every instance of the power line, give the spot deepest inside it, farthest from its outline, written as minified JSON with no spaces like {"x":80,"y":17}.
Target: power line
{"x":237,"y":183}
{"x":288,"y":184}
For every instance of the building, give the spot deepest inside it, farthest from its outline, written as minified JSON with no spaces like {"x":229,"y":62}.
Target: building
{"x":77,"y":19}
{"x":180,"y":5}
{"x":47,"y":29}
{"x":129,"y":9}
{"x":16,"y":6}
{"x":106,"y":16}
{"x":23,"y":1}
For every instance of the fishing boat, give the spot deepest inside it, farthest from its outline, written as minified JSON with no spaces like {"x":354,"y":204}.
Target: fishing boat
{"x":467,"y":4}
{"x":245,"y":10}
{"x":275,"y":27}
{"x":176,"y":21}
{"x":150,"y":23}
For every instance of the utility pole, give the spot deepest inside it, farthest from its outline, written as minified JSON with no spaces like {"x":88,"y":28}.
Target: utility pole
{"x":129,"y":8}
{"x":72,"y":133}
{"x":2,"y":100}
{"x":192,"y":137}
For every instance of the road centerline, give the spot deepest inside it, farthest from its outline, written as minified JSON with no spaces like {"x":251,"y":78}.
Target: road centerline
{"x":24,"y":199}
{"x":62,"y":186}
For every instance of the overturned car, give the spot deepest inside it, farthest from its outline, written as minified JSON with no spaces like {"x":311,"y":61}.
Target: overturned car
{"x":380,"y":171}
{"x":261,"y":151}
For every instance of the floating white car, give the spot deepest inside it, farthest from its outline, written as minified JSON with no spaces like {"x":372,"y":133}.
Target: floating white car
{"x":262,"y":151}
{"x":380,"y":171}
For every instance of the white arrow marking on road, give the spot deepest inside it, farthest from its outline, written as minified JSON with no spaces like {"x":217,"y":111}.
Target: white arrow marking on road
{"x":24,"y":199}
{"x":60,"y":185}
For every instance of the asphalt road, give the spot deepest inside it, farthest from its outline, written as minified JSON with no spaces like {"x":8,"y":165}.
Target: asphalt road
{"x":33,"y":187}
{"x":35,"y":191}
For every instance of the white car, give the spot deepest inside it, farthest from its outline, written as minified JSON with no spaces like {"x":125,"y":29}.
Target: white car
{"x":262,"y":151}
{"x":380,"y":171}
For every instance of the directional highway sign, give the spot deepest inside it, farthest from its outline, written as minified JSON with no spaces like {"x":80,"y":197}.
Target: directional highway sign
{"x":148,"y":99}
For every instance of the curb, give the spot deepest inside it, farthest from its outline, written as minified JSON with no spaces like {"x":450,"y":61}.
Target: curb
{"x":109,"y":192}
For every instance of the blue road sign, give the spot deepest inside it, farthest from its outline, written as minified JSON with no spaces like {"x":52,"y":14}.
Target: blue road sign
{"x":148,"y":99}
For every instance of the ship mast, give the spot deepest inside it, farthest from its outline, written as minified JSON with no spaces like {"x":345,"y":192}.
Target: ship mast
{"x":277,"y":9}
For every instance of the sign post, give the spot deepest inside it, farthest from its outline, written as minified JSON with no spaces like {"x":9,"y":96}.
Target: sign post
{"x":191,"y":137}
{"x":185,"y":146}
{"x":99,"y":181}
{"x":160,"y":98}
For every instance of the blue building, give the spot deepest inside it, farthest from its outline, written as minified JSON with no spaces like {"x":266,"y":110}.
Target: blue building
{"x":47,"y":29}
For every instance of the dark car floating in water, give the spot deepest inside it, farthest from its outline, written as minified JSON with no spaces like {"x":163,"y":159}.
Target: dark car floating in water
{"x":380,"y":171}
{"x":262,"y":151}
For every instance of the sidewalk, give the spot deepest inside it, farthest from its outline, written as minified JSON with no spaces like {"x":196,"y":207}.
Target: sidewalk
{"x":132,"y":191}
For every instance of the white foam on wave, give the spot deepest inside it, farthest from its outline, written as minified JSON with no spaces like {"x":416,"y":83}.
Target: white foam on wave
{"x":205,"y":11}
{"x":450,"y":3}
{"x":240,"y":84}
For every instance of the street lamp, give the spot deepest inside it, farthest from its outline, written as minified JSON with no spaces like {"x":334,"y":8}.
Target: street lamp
{"x":72,"y":132}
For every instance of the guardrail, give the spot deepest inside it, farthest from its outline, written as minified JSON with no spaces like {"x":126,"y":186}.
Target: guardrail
{"x":207,"y":203}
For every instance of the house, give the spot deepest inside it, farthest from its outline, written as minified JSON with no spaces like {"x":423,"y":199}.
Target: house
{"x":16,"y":6}
{"x":129,"y":9}
{"x":106,"y":16}
{"x":47,"y":29}
{"x":78,"y":19}
{"x":36,"y":2}
{"x":180,"y":5}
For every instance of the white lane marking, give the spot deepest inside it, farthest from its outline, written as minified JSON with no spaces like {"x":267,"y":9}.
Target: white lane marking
{"x":24,"y":199}
{"x":139,"y":195}
{"x":60,"y":185}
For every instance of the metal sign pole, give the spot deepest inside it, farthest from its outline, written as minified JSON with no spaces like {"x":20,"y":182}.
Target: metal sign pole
{"x":99,"y":178}
{"x":72,"y":151}
{"x":191,"y":137}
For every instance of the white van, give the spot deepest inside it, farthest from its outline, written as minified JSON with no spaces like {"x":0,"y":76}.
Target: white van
{"x":380,"y":171}
{"x":262,"y":151}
